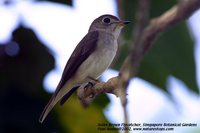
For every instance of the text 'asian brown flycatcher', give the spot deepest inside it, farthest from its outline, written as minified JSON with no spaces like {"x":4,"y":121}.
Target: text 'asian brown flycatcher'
{"x":91,"y":57}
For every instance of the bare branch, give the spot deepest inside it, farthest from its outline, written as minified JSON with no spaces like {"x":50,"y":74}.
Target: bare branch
{"x":143,"y":37}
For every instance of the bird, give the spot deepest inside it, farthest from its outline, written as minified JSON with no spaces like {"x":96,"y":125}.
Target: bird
{"x":90,"y":58}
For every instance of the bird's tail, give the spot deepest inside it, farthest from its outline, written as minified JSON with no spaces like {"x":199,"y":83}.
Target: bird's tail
{"x":63,"y":92}
{"x":47,"y":109}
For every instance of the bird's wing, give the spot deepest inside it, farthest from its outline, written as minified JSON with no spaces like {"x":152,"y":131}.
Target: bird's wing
{"x":85,"y":47}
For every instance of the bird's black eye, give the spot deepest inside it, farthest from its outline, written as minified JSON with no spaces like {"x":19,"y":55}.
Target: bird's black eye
{"x":106,"y":20}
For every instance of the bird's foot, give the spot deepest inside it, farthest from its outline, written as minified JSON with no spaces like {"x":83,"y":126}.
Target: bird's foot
{"x":89,"y":85}
{"x":85,"y":92}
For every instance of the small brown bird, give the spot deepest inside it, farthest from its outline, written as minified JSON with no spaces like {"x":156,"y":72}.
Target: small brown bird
{"x":91,"y":57}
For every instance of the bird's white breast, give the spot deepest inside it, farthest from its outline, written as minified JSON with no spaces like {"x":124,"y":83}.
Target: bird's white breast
{"x":100,"y":59}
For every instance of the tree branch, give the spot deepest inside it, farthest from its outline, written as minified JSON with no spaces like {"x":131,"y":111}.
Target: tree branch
{"x":143,"y":38}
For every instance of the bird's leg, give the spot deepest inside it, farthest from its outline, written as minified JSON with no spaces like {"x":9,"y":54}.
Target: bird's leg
{"x":85,"y":92}
{"x":91,"y":83}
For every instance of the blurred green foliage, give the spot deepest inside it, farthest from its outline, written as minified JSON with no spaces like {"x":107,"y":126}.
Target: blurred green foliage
{"x":171,"y":55}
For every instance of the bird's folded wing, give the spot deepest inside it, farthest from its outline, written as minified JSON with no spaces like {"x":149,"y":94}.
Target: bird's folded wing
{"x":82,"y":51}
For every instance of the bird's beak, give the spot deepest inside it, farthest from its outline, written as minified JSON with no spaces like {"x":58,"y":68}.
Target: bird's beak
{"x":123,"y":23}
